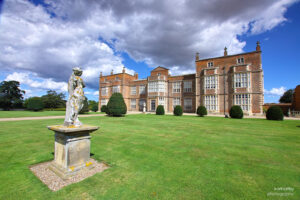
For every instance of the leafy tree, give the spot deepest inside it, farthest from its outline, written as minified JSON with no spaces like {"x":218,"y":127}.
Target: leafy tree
{"x":85,"y":107}
{"x":160,"y":110}
{"x":53,"y":99}
{"x":287,"y":97}
{"x":34,"y":103}
{"x":116,"y":105}
{"x":201,"y":111}
{"x":236,"y":112}
{"x":94,"y":108}
{"x":92,"y":103}
{"x":10,"y":94}
{"x":104,"y":109}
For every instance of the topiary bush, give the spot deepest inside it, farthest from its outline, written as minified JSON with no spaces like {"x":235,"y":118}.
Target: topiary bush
{"x":274,"y":113}
{"x":94,"y":108}
{"x":177,"y":110}
{"x":201,"y":111}
{"x":35,"y":104}
{"x":104,"y":108}
{"x":236,"y":112}
{"x":160,"y":110}
{"x":116,"y":105}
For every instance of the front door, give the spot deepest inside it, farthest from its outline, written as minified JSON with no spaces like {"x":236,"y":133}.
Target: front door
{"x":153,"y":105}
{"x":141,"y":104}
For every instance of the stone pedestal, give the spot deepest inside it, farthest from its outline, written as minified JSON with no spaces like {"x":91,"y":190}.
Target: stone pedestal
{"x":72,"y":149}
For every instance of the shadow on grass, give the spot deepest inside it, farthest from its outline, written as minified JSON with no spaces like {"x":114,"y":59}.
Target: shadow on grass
{"x":298,"y":126}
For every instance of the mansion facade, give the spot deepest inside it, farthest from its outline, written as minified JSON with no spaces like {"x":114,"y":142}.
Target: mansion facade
{"x":218,"y":84}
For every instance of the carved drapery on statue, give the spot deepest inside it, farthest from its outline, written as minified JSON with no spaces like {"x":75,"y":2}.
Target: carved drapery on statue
{"x":76,"y":98}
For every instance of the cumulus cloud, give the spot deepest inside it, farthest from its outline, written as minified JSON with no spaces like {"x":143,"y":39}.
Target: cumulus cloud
{"x":50,"y":40}
{"x":276,"y":91}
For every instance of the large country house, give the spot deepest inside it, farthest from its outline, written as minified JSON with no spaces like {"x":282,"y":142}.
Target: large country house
{"x":218,"y":84}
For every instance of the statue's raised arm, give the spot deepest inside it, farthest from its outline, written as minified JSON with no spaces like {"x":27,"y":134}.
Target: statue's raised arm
{"x":75,"y":99}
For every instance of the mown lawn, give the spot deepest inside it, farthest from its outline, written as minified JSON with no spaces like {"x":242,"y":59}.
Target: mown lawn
{"x":161,"y":157}
{"x":26,"y":113}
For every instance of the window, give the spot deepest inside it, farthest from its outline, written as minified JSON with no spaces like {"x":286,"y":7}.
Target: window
{"x":116,"y":89}
{"x":142,"y":89}
{"x":158,"y":74}
{"x":210,"y":64}
{"x":210,"y":82}
{"x":133,"y":103}
{"x":240,"y":60}
{"x":117,"y":78}
{"x":211,"y":102}
{"x":187,"y":86}
{"x":176,"y":87}
{"x":242,"y":100}
{"x":133,"y":90}
{"x":176,"y":102}
{"x":188,"y":104}
{"x":104,"y":91}
{"x":241,"y":80}
{"x":103,"y":102}
{"x":161,"y":101}
{"x":156,"y":86}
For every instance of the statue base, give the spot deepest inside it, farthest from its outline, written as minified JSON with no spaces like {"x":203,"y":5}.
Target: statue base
{"x":72,"y":149}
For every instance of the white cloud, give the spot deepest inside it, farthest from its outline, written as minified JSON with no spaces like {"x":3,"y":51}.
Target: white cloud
{"x":42,"y":84}
{"x":276,"y":91}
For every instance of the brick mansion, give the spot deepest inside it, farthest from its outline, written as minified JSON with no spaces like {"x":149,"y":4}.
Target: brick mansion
{"x":218,"y":84}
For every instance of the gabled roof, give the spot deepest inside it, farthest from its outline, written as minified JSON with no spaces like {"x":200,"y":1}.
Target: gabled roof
{"x":159,"y":68}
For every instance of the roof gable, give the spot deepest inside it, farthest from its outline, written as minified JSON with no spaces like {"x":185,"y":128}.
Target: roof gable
{"x":159,"y":68}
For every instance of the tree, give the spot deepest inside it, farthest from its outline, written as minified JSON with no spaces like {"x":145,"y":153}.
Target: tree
{"x":10,"y":94}
{"x":236,"y":112}
{"x":53,"y":99}
{"x":92,"y":103}
{"x":85,"y":107}
{"x":274,"y":113}
{"x":177,"y":110}
{"x":287,"y":97}
{"x":201,"y":111}
{"x":116,"y":105}
{"x":34,"y":103}
{"x":94,"y":108}
{"x":160,"y":110}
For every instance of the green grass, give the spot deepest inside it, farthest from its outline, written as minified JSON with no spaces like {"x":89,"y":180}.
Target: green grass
{"x":26,"y":113}
{"x":161,"y":157}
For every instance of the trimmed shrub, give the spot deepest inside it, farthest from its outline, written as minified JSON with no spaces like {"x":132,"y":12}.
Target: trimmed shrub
{"x":35,"y":104}
{"x":160,"y":110}
{"x":177,"y":110}
{"x":104,"y":108}
{"x":201,"y":111}
{"x":274,"y":113}
{"x":116,"y":105}
{"x":94,"y":108}
{"x":236,"y":112}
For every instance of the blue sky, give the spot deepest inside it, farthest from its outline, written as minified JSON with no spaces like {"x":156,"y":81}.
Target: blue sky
{"x":41,"y":41}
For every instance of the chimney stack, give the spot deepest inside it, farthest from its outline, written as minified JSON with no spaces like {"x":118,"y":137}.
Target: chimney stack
{"x":123,"y":71}
{"x":136,"y":76}
{"x":258,"y":46}
{"x":225,"y":51}
{"x":100,"y":74}
{"x":197,"y":56}
{"x":112,"y":72}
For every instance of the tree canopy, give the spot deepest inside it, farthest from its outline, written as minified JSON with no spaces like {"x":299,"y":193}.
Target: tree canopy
{"x":287,"y":97}
{"x":53,"y":99}
{"x":10,"y":94}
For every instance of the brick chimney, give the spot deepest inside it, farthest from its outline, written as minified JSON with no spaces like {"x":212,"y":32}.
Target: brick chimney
{"x":258,"y":46}
{"x":197,"y":56}
{"x":100,"y":74}
{"x":112,"y":72}
{"x":136,"y":76}
{"x":123,"y":71}
{"x":225,"y":51}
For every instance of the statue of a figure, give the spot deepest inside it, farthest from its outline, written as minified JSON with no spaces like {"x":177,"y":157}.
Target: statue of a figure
{"x":144,"y":107}
{"x":76,"y":98}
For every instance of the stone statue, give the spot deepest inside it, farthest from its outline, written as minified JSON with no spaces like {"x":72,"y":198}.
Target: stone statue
{"x":144,"y":107}
{"x":76,"y":98}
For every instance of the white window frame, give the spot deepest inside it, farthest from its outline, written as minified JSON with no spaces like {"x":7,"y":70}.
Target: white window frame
{"x":187,"y":86}
{"x":210,"y":64}
{"x":104,"y":91}
{"x":156,"y":86}
{"x":176,"y":102}
{"x":240,"y":60}
{"x":133,"y":90}
{"x":103,"y":102}
{"x":210,"y":82}
{"x":188,"y":104}
{"x":161,"y":101}
{"x":133,"y":103}
{"x":116,"y":89}
{"x":176,"y":87}
{"x":211,"y":102}
{"x":243,"y":100}
{"x":142,"y":89}
{"x":242,"y":80}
